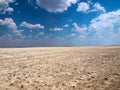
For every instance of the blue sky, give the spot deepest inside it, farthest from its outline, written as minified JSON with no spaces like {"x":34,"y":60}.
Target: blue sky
{"x":59,"y":22}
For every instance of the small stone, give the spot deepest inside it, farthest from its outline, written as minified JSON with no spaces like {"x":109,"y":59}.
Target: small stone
{"x":22,"y":86}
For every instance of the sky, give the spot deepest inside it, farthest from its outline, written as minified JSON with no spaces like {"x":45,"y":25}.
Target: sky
{"x":59,"y":22}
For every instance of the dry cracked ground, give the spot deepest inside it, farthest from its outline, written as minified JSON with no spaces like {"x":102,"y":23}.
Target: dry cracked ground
{"x":60,"y":68}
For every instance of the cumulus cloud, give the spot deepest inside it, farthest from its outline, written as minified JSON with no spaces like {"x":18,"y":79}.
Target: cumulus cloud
{"x":71,"y":35}
{"x":10,"y":24}
{"x":9,"y":10}
{"x":31,"y":26}
{"x":66,"y":25}
{"x":106,"y":24}
{"x":79,"y":29}
{"x":104,"y":29}
{"x":56,"y":29}
{"x":98,"y":7}
{"x":4,"y":6}
{"x":55,"y":5}
{"x":83,"y":7}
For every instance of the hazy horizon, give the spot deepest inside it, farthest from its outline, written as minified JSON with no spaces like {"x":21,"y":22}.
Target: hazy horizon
{"x":59,"y":23}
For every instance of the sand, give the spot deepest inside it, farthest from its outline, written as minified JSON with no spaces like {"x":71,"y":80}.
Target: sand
{"x":60,"y":68}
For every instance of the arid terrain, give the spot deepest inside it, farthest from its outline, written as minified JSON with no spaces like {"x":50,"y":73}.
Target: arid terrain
{"x":60,"y":68}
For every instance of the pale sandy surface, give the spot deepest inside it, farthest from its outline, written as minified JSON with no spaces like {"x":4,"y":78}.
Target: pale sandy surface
{"x":60,"y":68}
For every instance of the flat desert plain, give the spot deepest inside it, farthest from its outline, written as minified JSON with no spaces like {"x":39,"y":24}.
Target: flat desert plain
{"x":60,"y":68}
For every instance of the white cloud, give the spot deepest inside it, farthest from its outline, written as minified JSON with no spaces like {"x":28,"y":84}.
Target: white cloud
{"x":98,"y":7}
{"x":104,"y":29}
{"x":55,"y":5}
{"x":10,"y":1}
{"x":81,"y":30}
{"x":56,"y":29}
{"x":9,"y":10}
{"x":106,"y":21}
{"x":83,"y":7}
{"x":10,"y":24}
{"x":66,"y":25}
{"x":31,"y":26}
{"x":71,"y":35}
{"x":4,"y":6}
{"x":106,"y":25}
